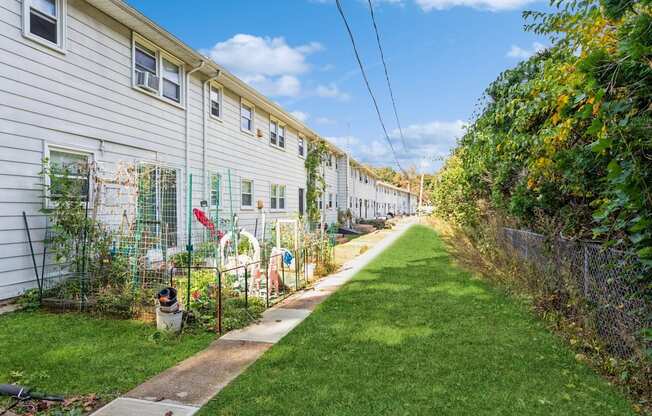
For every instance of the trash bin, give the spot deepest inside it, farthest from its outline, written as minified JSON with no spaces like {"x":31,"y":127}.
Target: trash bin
{"x":168,"y":315}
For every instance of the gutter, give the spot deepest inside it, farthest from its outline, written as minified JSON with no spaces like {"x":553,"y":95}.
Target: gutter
{"x":187,"y":105}
{"x":206,"y":182}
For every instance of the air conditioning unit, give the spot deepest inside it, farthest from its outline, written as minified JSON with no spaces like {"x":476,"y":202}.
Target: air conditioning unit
{"x":147,"y":80}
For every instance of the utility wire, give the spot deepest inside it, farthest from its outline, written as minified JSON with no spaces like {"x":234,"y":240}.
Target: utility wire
{"x":389,"y":84}
{"x":366,"y":81}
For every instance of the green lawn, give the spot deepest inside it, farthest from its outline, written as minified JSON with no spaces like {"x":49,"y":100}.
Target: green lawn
{"x":414,"y":335}
{"x":75,"y":354}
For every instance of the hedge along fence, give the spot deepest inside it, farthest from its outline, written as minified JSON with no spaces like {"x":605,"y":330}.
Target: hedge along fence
{"x":604,"y":278}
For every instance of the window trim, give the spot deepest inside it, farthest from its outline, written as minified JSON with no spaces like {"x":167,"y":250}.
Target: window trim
{"x":279,"y":125}
{"x":301,"y":144}
{"x":246,"y":103}
{"x":61,"y":24}
{"x":242,"y":206}
{"x":160,"y":55}
{"x":49,"y":147}
{"x":220,"y":88}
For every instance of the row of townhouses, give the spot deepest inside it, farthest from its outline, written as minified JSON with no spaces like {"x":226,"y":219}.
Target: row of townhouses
{"x":97,"y":81}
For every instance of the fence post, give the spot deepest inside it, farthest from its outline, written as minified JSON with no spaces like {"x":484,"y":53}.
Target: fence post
{"x":283,"y":274}
{"x":586,"y":270}
{"x":296,"y":271}
{"x":219,"y":302}
{"x":267,"y":283}
{"x":246,"y":277}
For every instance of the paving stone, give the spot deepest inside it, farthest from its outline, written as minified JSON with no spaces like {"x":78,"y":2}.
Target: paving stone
{"x":124,"y":406}
{"x":197,"y":379}
{"x":274,"y":325}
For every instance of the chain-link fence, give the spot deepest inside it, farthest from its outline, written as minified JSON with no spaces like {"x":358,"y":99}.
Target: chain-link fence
{"x":605,"y":278}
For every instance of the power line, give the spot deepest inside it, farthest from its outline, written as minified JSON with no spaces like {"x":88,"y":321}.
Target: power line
{"x":389,"y":84}
{"x":366,"y":81}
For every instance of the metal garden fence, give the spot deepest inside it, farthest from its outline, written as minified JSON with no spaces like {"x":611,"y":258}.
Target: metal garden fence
{"x":605,"y":278}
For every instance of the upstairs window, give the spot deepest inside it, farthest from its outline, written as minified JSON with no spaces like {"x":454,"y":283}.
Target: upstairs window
{"x":216,"y":102}
{"x":276,"y":134}
{"x":330,"y":201}
{"x":44,"y":22}
{"x":246,"y":118}
{"x":156,"y":72}
{"x":171,"y":81}
{"x":301,"y":147}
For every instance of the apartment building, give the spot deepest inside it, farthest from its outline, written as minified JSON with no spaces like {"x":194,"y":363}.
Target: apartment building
{"x":97,"y":81}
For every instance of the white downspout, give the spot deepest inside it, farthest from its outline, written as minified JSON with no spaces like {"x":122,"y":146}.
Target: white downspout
{"x":187,"y":88}
{"x":206,"y":181}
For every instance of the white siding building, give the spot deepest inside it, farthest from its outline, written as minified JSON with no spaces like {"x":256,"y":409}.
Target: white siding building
{"x":97,"y":80}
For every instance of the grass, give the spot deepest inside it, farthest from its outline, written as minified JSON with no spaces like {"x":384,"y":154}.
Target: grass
{"x":412,"y":334}
{"x":74,"y":354}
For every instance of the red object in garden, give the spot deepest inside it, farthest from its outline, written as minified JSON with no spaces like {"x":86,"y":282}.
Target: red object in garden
{"x":204,"y":220}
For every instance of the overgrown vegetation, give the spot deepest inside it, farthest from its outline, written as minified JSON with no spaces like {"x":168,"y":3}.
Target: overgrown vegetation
{"x":414,"y":334}
{"x":562,"y":145}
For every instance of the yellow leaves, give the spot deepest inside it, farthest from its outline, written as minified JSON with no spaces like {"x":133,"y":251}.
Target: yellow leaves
{"x":543,"y":163}
{"x":531,"y":184}
{"x":555,"y":119}
{"x":562,"y":100}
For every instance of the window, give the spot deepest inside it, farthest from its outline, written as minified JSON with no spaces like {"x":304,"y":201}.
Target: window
{"x":321,"y":204}
{"x":247,"y":191}
{"x":281,"y":136}
{"x":350,"y":202}
{"x":156,"y":72}
{"x":277,"y":200}
{"x":276,"y":134}
{"x":72,"y":165}
{"x":215,"y":184}
{"x":171,"y":81}
{"x":145,"y":59}
{"x":44,"y":22}
{"x":246,"y":117}
{"x":330,"y":201}
{"x":329,"y":161}
{"x":216,"y":101}
{"x":301,"y":147}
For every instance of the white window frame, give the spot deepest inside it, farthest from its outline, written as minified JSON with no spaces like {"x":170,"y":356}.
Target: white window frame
{"x":277,"y":197}
{"x":47,"y":148}
{"x":215,"y":86}
{"x":301,"y":145}
{"x":160,"y":55}
{"x":279,"y":125}
{"x":245,"y":103}
{"x":61,"y":24}
{"x":330,"y":200}
{"x":243,"y":206}
{"x":209,"y":180}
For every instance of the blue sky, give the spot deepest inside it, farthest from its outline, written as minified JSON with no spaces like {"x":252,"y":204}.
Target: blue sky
{"x":441,"y":54}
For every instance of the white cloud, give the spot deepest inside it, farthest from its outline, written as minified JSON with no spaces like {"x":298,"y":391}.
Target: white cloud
{"x":268,"y":64}
{"x":427,"y":145}
{"x":324,"y":120}
{"x":300,"y":115}
{"x":332,"y":91}
{"x":524,"y":53}
{"x":493,"y":5}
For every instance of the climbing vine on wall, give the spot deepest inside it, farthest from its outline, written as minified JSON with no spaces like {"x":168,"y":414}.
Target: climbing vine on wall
{"x":316,"y":184}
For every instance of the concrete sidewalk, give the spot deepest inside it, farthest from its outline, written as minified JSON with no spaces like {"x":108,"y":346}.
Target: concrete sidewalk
{"x":184,"y":388}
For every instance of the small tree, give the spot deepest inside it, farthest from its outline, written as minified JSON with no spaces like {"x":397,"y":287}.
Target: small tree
{"x":316,"y":184}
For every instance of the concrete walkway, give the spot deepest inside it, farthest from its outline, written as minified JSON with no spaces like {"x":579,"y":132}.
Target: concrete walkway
{"x":184,"y":388}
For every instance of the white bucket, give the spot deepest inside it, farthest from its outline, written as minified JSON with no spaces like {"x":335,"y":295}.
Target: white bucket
{"x":169,"y":322}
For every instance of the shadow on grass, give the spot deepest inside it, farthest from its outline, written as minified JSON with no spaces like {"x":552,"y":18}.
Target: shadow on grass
{"x":412,"y":334}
